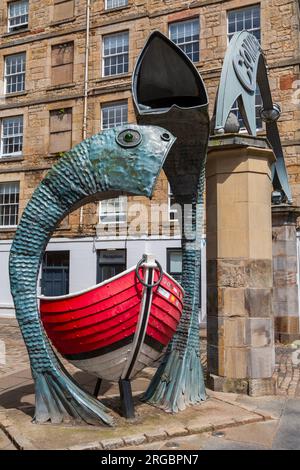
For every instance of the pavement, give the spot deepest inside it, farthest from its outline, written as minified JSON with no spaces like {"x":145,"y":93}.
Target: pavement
{"x":224,"y":421}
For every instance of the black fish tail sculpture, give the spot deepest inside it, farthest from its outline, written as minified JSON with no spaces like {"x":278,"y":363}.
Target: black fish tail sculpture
{"x":125,"y":160}
{"x":168,"y":91}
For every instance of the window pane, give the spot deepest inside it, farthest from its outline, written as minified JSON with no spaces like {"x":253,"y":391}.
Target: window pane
{"x":12,"y":136}
{"x":245,"y":18}
{"x":55,"y":273}
{"x":238,"y":20}
{"x":115,"y":54}
{"x":186,"y":34}
{"x":113,"y":211}
{"x":18,"y":15}
{"x":110,"y":263}
{"x":115,"y":114}
{"x":115,"y":3}
{"x":174,"y":263}
{"x":173,"y":214}
{"x":15,"y":73}
{"x":9,"y":204}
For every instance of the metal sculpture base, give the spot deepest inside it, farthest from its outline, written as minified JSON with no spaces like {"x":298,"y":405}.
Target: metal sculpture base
{"x":97,"y":388}
{"x":127,"y":405}
{"x":126,"y":397}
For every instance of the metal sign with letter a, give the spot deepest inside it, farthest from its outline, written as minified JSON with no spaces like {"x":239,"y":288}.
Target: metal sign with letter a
{"x":244,"y":68}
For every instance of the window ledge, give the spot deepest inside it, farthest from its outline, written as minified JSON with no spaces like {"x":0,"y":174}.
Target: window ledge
{"x":61,"y":87}
{"x":13,"y":33}
{"x":8,"y":229}
{"x":56,"y":155}
{"x":16,"y":94}
{"x":113,"y":77}
{"x":8,"y":159}
{"x":110,"y":10}
{"x":59,"y":22}
{"x":60,"y":229}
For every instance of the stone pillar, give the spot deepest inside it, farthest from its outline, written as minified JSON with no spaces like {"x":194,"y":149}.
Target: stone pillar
{"x":240,"y":324}
{"x":285,"y":273}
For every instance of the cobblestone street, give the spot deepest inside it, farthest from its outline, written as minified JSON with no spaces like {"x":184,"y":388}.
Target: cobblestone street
{"x":286,"y":374}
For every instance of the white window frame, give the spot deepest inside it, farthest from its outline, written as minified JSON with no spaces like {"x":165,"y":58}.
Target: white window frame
{"x":106,"y":37}
{"x":19,"y":26}
{"x":116,"y":4}
{"x":118,"y":216}
{"x":171,"y":251}
{"x":6,"y":75}
{"x":244,"y":10}
{"x":185,"y":22}
{"x":7,"y":183}
{"x":113,"y":107}
{"x":170,"y":210}
{"x":2,"y":137}
{"x":229,"y":35}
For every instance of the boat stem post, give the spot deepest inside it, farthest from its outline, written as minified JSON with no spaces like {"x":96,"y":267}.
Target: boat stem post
{"x":126,"y":398}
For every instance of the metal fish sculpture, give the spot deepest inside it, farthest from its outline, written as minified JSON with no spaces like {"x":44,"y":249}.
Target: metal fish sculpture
{"x":168,"y":91}
{"x":117,"y":161}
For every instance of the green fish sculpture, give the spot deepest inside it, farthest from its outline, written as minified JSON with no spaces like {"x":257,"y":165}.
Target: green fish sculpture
{"x":124,"y":160}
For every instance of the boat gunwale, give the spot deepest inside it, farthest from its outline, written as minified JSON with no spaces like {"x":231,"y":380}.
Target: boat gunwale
{"x":103,"y":283}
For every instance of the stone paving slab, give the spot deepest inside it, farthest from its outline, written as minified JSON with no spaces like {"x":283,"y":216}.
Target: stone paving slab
{"x":5,"y":442}
{"x":269,"y":407}
{"x":254,"y":436}
{"x":288,"y":434}
{"x":150,"y":426}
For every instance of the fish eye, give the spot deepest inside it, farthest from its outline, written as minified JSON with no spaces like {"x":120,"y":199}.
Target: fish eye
{"x":165,"y":136}
{"x":129,"y":138}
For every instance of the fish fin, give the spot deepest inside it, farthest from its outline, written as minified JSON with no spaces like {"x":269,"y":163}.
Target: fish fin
{"x":58,"y":399}
{"x":178,"y":383}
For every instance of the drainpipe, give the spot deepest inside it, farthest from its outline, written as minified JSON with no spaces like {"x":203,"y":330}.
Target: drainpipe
{"x":86,"y":71}
{"x":86,"y":86}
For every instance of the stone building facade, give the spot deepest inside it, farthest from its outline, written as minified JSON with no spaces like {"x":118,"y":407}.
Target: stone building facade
{"x":44,"y":88}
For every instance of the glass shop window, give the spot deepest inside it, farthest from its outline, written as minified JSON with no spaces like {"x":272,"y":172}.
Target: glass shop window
{"x":110,"y":263}
{"x":174,"y":263}
{"x":55,"y":273}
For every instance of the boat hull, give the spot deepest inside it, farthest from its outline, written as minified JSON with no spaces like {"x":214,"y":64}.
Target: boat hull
{"x":117,"y":328}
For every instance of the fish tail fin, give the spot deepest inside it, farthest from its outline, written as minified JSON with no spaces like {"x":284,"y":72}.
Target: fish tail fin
{"x":59,"y":399}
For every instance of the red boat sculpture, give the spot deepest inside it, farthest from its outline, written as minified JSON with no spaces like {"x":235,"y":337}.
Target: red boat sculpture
{"x":118,"y":327}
